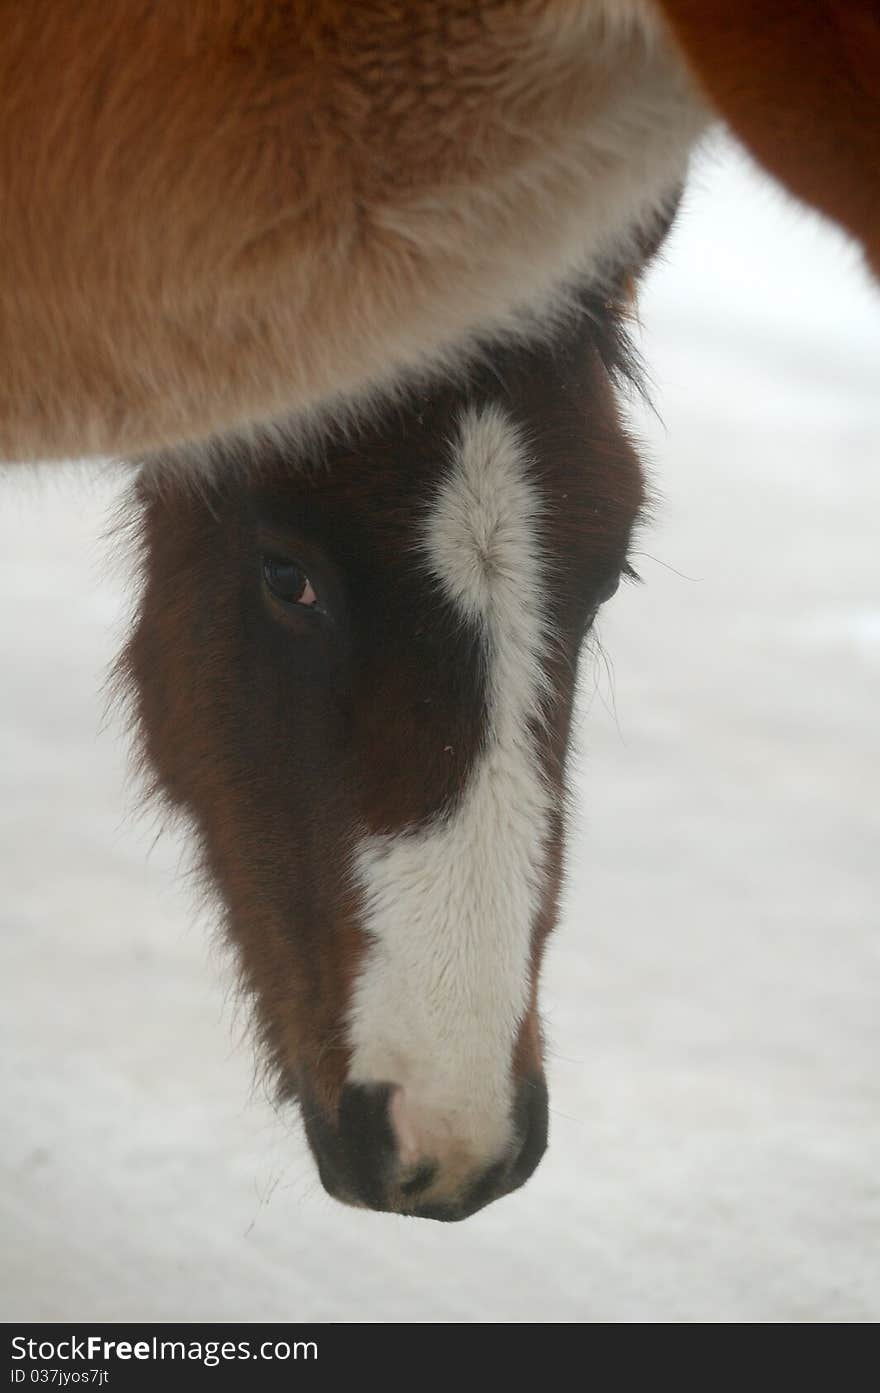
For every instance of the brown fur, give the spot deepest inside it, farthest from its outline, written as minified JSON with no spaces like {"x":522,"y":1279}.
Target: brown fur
{"x":800,"y":85}
{"x":283,"y":742}
{"x":219,"y":212}
{"x":227,"y":211}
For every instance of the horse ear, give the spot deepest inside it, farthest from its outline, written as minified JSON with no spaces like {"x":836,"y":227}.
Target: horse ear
{"x":651,"y":238}
{"x":623,"y":284}
{"x":800,"y":86}
{"x":649,"y":243}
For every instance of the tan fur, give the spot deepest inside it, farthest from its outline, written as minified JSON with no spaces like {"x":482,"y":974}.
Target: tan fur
{"x":224,"y":211}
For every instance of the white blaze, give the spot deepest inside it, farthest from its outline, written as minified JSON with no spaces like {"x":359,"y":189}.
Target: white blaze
{"x":449,"y":907}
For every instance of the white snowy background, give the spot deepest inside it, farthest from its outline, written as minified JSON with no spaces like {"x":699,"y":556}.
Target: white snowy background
{"x":712,"y":993}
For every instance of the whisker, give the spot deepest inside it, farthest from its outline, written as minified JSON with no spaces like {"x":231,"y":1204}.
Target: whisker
{"x":695,"y":580}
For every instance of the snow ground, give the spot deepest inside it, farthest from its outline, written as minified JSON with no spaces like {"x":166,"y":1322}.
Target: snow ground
{"x":712,"y":994}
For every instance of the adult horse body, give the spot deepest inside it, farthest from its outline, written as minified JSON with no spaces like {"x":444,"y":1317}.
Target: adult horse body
{"x":255,"y":207}
{"x":249,"y":208}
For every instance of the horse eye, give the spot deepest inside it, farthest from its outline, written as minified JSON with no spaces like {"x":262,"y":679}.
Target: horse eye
{"x":288,"y":582}
{"x":610,"y":587}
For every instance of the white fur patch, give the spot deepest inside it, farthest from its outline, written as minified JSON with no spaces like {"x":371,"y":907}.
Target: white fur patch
{"x":449,"y":908}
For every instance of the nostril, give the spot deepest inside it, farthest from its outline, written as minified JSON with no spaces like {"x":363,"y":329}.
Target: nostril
{"x":531,"y":1117}
{"x":489,"y":1186}
{"x":322,"y":1139}
{"x":367,"y":1141}
{"x":423,"y":1177}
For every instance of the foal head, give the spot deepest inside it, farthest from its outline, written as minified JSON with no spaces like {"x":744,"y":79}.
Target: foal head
{"x":356,"y":679}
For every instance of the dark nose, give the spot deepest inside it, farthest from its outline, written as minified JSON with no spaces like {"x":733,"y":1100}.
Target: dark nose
{"x":358,"y":1159}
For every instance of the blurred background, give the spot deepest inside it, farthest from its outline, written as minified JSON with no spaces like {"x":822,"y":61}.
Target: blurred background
{"x":712,"y":993}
